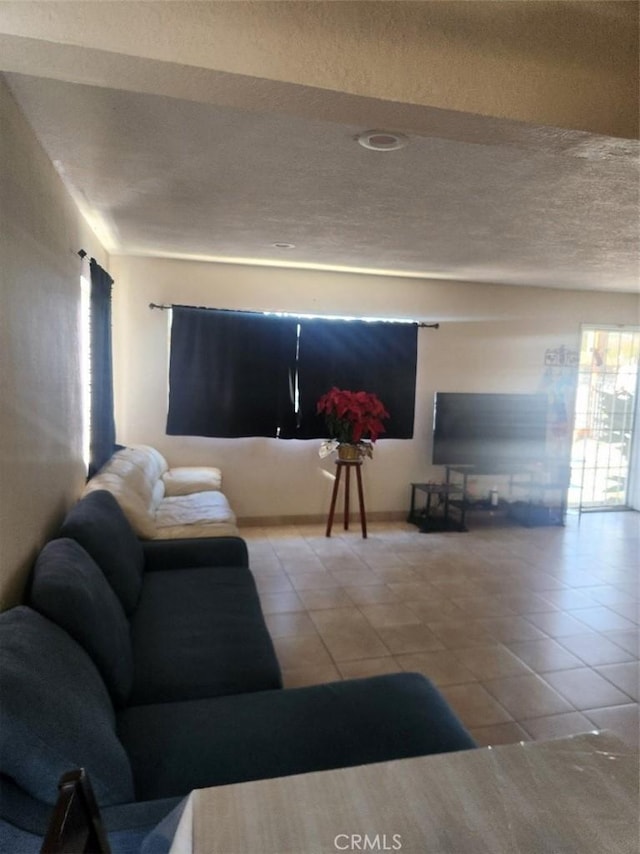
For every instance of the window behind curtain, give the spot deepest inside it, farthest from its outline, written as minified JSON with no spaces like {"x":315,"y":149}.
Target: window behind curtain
{"x":230,"y":373}
{"x":377,"y":357}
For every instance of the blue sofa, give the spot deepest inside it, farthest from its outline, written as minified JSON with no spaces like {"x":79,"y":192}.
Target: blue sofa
{"x":150,"y":665}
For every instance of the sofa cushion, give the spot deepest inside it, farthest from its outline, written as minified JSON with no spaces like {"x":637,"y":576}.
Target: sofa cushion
{"x":14,"y":839}
{"x":55,"y":712}
{"x":133,"y":476}
{"x":183,"y":480}
{"x":29,"y":814}
{"x":138,"y":510}
{"x":191,"y":531}
{"x":70,"y":589}
{"x":192,"y":552}
{"x":199,"y":508}
{"x":200,"y":632}
{"x":176,"y":747}
{"x":102,"y":529}
{"x":157,"y":494}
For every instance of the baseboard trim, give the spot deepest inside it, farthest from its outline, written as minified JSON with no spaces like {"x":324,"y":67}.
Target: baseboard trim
{"x":319,"y":519}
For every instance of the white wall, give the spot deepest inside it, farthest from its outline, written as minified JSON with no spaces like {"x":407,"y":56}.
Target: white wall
{"x":491,"y":338}
{"x":41,"y":467}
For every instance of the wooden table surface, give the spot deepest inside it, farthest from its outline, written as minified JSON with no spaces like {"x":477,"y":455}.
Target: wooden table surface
{"x":576,"y":795}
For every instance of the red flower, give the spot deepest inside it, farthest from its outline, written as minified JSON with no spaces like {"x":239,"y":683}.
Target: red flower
{"x":352,"y":415}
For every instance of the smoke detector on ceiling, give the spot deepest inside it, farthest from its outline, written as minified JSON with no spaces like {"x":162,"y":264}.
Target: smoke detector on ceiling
{"x":382,"y":140}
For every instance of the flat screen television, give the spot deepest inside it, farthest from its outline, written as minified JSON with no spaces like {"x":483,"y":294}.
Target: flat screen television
{"x":489,"y":431}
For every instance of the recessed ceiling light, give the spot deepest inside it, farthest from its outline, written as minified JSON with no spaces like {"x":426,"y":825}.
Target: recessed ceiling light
{"x":382,"y":140}
{"x":284,"y":245}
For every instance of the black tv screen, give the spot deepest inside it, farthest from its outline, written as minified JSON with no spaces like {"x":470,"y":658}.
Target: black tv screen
{"x":489,"y":431}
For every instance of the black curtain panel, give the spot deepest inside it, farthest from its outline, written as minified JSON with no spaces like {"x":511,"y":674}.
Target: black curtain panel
{"x":357,"y":355}
{"x":103,"y":430}
{"x":231,"y":373}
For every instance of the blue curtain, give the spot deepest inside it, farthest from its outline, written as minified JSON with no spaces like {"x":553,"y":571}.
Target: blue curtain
{"x":357,"y":355}
{"x":230,"y":373}
{"x":234,"y":373}
{"x":103,"y":431}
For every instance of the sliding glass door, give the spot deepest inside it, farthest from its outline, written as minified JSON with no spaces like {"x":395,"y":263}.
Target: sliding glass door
{"x":604,"y":424}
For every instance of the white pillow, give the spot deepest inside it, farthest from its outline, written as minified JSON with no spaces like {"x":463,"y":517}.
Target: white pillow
{"x":187,"y":479}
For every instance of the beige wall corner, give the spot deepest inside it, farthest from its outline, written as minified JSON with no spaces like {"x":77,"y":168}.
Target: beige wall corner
{"x":40,"y":416}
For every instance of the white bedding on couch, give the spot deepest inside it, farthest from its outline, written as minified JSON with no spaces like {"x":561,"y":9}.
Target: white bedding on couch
{"x":164,"y":503}
{"x":186,"y":480}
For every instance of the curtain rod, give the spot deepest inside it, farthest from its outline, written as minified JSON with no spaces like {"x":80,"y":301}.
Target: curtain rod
{"x":165,"y":307}
{"x":82,"y":253}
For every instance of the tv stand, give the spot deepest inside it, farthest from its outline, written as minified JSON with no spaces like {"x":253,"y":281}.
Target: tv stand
{"x":542,"y":500}
{"x":427,"y":518}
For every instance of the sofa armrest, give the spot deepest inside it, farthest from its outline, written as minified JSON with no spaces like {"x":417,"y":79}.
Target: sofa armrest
{"x":277,"y":733}
{"x":141,"y":814}
{"x":194,"y":552}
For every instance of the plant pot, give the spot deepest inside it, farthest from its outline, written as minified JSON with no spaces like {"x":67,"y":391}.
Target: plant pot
{"x":348,"y":453}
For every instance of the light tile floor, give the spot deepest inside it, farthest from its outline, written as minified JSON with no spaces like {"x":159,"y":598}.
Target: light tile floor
{"x":529,"y":633}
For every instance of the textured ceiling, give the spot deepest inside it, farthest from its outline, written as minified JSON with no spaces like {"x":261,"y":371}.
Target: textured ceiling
{"x":175,"y":160}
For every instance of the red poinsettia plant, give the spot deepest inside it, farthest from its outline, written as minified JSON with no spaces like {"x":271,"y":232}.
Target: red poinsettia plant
{"x":352,"y":416}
